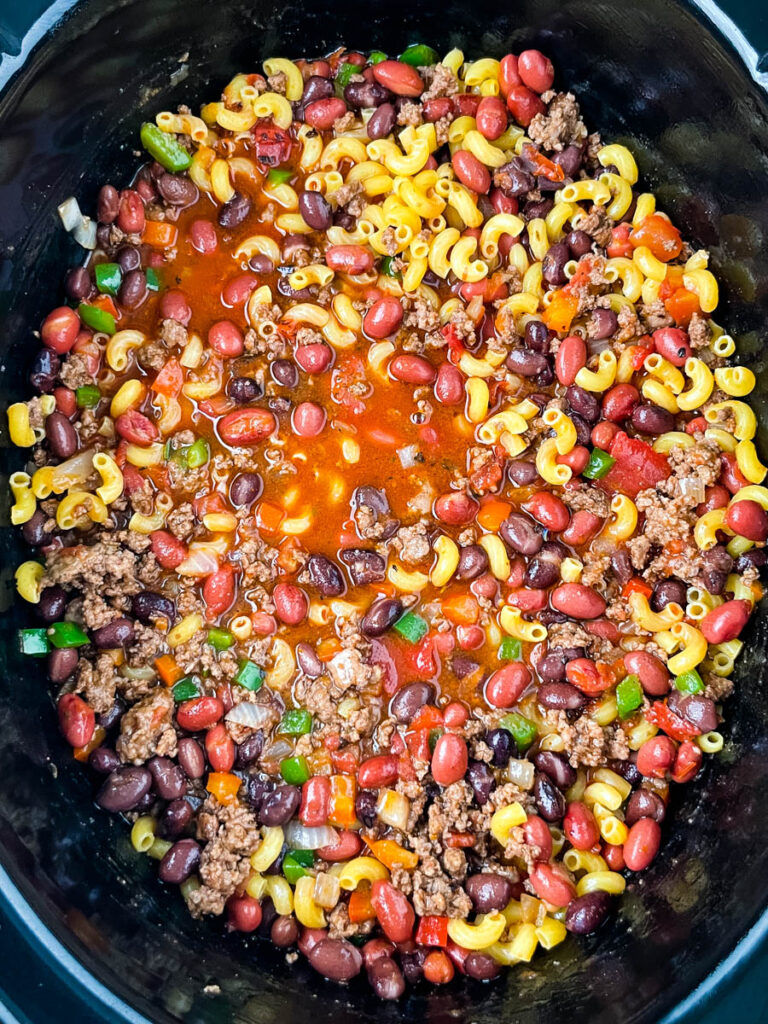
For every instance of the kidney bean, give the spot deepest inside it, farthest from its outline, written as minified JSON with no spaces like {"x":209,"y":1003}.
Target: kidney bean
{"x":699,"y":711}
{"x":525,"y":363}
{"x":580,"y":827}
{"x":517,"y":179}
{"x":326,"y":576}
{"x":78,"y":284}
{"x":449,"y":385}
{"x":291,"y":603}
{"x":279,"y":806}
{"x":103,"y":760}
{"x":652,"y":419}
{"x":535,"y":70}
{"x":651,"y":672}
{"x":672,"y":343}
{"x":62,"y":663}
{"x":725,"y":622}
{"x":219,"y":591}
{"x":246,"y":426}
{"x":491,"y":117}
{"x":583,"y":403}
{"x":386,"y":978}
{"x":553,"y":265}
{"x":174,"y":306}
{"x":243,"y":914}
{"x":748,"y":519}
{"x":412,"y":369}
{"x":190,"y":755}
{"x":551,"y":667}
{"x":399,"y":78}
{"x":314,"y":358}
{"x":582,"y":527}
{"x":642,"y":844}
{"x":668,"y":592}
{"x":522,"y":473}
{"x":309,"y":938}
{"x":284,"y":372}
{"x":394,"y":911}
{"x":124,"y":788}
{"x":60,"y":329}
{"x":471,"y":172}
{"x":410,"y":699}
{"x":381,"y":122}
{"x":261,"y":264}
{"x":482,"y":780}
{"x":619,"y":402}
{"x":118,"y":633}
{"x":250,"y":749}
{"x":519,"y":532}
{"x":199,"y":713}
{"x":308,"y":419}
{"x":316,"y":88}
{"x":177,"y":190}
{"x":134,"y":426}
{"x":456,"y":508}
{"x":621,"y":564}
{"x":382,"y":319}
{"x":481,"y":967}
{"x":506,"y":685}
{"x":577,"y":601}
{"x":473,"y":562}
{"x":603,"y":434}
{"x":550,"y":802}
{"x":243,"y":389}
{"x":378,"y":771}
{"x":180,"y":862}
{"x":586,"y":913}
{"x":754,"y":559}
{"x":717,"y":566}
{"x":220,"y":748}
{"x":547,"y":509}
{"x":226,"y":339}
{"x":348,"y":845}
{"x":322,"y":113}
{"x":365,"y":808}
{"x":556,"y":767}
{"x":45,"y":369}
{"x":234,"y":211}
{"x":438,"y":107}
{"x":560,"y":696}
{"x":284,"y":931}
{"x":315,"y":210}
{"x":381,"y":616}
{"x":176,"y":817}
{"x":550,"y":883}
{"x":336,"y":959}
{"x":245,"y":489}
{"x":130,"y":214}
{"x":202,"y":235}
{"x":236,"y":291}
{"x":643,"y":803}
{"x":571,"y":357}
{"x":349,"y":259}
{"x":77,"y":719}
{"x":107,"y":204}
{"x":656,"y":756}
{"x":450,"y":759}
{"x":524,"y":105}
{"x":52,"y":604}
{"x":488,"y":891}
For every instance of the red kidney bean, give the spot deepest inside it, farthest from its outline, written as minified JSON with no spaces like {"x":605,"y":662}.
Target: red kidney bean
{"x":412,"y":369}
{"x":381,"y":122}
{"x":456,"y":508}
{"x":199,"y":713}
{"x":550,"y":883}
{"x":506,"y":686}
{"x":651,"y":672}
{"x":603,"y":434}
{"x":619,"y":402}
{"x":236,"y":291}
{"x":378,"y":771}
{"x":577,"y":601}
{"x":349,"y":259}
{"x":580,"y":826}
{"x":644,"y":804}
{"x":438,"y":107}
{"x":220,"y":748}
{"x":548,"y":510}
{"x":471,"y":172}
{"x":124,"y":788}
{"x":309,"y":663}
{"x":519,"y":532}
{"x":509,"y":74}
{"x":383,"y":318}
{"x":672,"y":344}
{"x":61,"y":436}
{"x":581,"y":528}
{"x":524,"y":105}
{"x":535,"y":70}
{"x":450,"y":759}
{"x":748,"y":519}
{"x":642,"y":844}
{"x":246,"y":426}
{"x":77,"y":720}
{"x":174,"y":306}
{"x":284,"y":932}
{"x":455,"y":715}
{"x":570,"y":357}
{"x":386,"y":978}
{"x":308,"y":419}
{"x":202,"y":235}
{"x":314,"y":358}
{"x":191,"y":757}
{"x":130,"y":215}
{"x":410,"y":699}
{"x":449,"y":385}
{"x":348,"y":845}
{"x":309,"y":938}
{"x":656,"y":756}
{"x":399,"y":78}
{"x":226,"y":339}
{"x":336,"y":959}
{"x":134,"y":426}
{"x":530,"y":600}
{"x":170,"y":551}
{"x":60,"y":329}
{"x":219,"y":591}
{"x":243,"y":913}
{"x":489,"y":891}
{"x":730,"y":475}
{"x":107,"y":204}
{"x":725,"y":622}
{"x":652,"y":419}
{"x":180,"y":862}
{"x":394,"y":911}
{"x":291,"y":603}
{"x":322,"y":113}
{"x":715,"y":496}
{"x":491,"y":117}
{"x":586,"y":913}
{"x":536,"y":834}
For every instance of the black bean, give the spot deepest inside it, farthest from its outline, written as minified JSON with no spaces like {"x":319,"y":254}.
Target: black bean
{"x":482,"y":780}
{"x":133,"y":290}
{"x":522,"y":473}
{"x":103,"y":760}
{"x":571,"y":653}
{"x":117,"y":633}
{"x":556,"y":767}
{"x":279,"y":806}
{"x":473,"y":562}
{"x":52,"y":604}
{"x":521,"y":534}
{"x":754,"y":559}
{"x":560,"y":696}
{"x":644,"y":804}
{"x":541,"y":573}
{"x":569,"y":159}
{"x":257,"y":789}
{"x":366,"y":94}
{"x":261,"y":264}
{"x":177,"y":190}
{"x":462,"y":666}
{"x":515,"y":179}
{"x":309,"y":663}
{"x":603,"y":323}
{"x":526,"y":363}
{"x":718,"y":564}
{"x":652,"y":419}
{"x":111,"y":717}
{"x":176,"y":817}
{"x":128,"y":258}
{"x":336,"y":959}
{"x":412,"y":964}
{"x":386,"y":979}
{"x":548,"y":617}
{"x":146,"y":804}
{"x":107,"y":204}
{"x":502,"y":746}
{"x":45,"y":369}
{"x":316,"y":88}
{"x":234,"y":211}
{"x":583,"y":429}
{"x":551,"y":667}
{"x":78,"y":284}
{"x":284,"y":931}
{"x":537,"y":336}
{"x":243,"y":389}
{"x":668,"y":592}
{"x":579,"y":242}
{"x":284,"y":372}
{"x":344,"y":219}
{"x":148,"y":605}
{"x":124,"y":788}
{"x":539,"y":208}
{"x":382,"y":122}
{"x":60,"y":435}
{"x":584,"y":403}
{"x":62,"y":663}
{"x":409,"y":699}
{"x":365,"y":807}
{"x":700,"y":711}
{"x":180,"y":862}
{"x":627,"y":769}
{"x":586,"y":913}
{"x":326,"y":576}
{"x":489,"y":891}
{"x":553,"y":264}
{"x":481,"y":967}
{"x":293,"y":244}
{"x":168,"y":777}
{"x":191,"y":757}
{"x":549,"y":800}
{"x":245,"y":489}
{"x":621,"y":563}
{"x":364,"y":566}
{"x":250,"y":749}
{"x":374,"y":498}
{"x":316,"y":210}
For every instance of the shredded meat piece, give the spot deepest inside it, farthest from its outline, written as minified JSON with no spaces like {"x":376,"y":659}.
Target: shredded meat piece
{"x":561,"y":126}
{"x":97,"y":682}
{"x":698,"y":331}
{"x":441,"y":81}
{"x":598,"y":225}
{"x":344,"y":123}
{"x":277,"y":82}
{"x":174,"y":334}
{"x":106,"y":566}
{"x":74,"y":371}
{"x":147,"y":728}
{"x":589,"y":498}
{"x":412,"y":543}
{"x":409,"y":113}
{"x":232,"y":835}
{"x":654,"y":315}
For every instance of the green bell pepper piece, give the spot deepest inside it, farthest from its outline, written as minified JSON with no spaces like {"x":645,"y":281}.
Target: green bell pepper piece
{"x":599,"y":464}
{"x":629,"y":696}
{"x":164,"y":148}
{"x":523,"y":731}
{"x":510,"y":649}
{"x":296,"y":722}
{"x":108,"y":278}
{"x":97,"y":319}
{"x":250,"y":675}
{"x":295,"y":770}
{"x":34,"y":642}
{"x":418,"y":55}
{"x":67,"y":634}
{"x":411,"y":627}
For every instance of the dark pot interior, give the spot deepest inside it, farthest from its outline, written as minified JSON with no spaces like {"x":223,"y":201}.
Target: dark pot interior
{"x":651,"y":75}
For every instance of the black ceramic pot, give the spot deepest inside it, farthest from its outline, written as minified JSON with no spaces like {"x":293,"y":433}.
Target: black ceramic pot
{"x":651,"y":74}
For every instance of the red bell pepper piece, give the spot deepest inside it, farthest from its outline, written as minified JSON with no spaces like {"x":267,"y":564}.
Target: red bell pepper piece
{"x":432,"y":931}
{"x":673,"y":725}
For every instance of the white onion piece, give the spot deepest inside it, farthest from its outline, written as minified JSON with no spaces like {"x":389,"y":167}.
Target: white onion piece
{"x":198,"y":563}
{"x":73,"y":471}
{"x":251,"y":715}
{"x":137,"y":672}
{"x":82,"y":228}
{"x":277,"y":751}
{"x":521,"y":773}
{"x":692,"y":487}
{"x":304,"y":837}
{"x":408,"y":455}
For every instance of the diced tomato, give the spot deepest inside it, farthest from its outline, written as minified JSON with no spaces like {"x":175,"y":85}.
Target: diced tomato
{"x":681,"y":305}
{"x":673,"y":725}
{"x":636,"y":586}
{"x":637,"y":466}
{"x":170,"y":379}
{"x":542,"y":165}
{"x":620,"y":244}
{"x":272,"y":144}
{"x":432,"y":931}
{"x":455,"y":345}
{"x":659,"y":235}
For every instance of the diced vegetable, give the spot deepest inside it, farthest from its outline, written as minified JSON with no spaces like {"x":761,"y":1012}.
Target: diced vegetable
{"x":220,"y":639}
{"x":629,"y":696}
{"x":343,"y":76}
{"x":163,"y":147}
{"x":153,"y":281}
{"x":510,"y":649}
{"x":197,"y":454}
{"x":411,"y":627}
{"x":419,"y":55}
{"x":108,"y":277}
{"x":295,"y":864}
{"x":97,"y":319}
{"x":599,"y":464}
{"x":689,"y":682}
{"x":296,"y":722}
{"x":34,"y":642}
{"x":67,"y":634}
{"x":279,"y":175}
{"x":377,"y":56}
{"x":388,"y":268}
{"x":523,"y":731}
{"x":249,"y":675}
{"x":295,"y":770}
{"x":185,"y":689}
{"x":87,"y":396}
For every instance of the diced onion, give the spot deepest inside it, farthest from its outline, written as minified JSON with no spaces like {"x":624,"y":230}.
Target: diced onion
{"x":82,"y":228}
{"x":408,"y":455}
{"x":198,"y":563}
{"x":692,"y":487}
{"x":137,"y":672}
{"x":305,"y":837}
{"x":277,"y":751}
{"x":521,"y":773}
{"x":598,"y":345}
{"x":74,"y":471}
{"x":253,"y":716}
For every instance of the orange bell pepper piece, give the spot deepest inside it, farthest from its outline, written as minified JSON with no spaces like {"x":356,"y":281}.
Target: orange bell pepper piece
{"x":83,"y":753}
{"x":160,"y":234}
{"x":681,"y":305}
{"x":559,"y":314}
{"x":360,"y":907}
{"x":224,"y":786}
{"x":461,"y":609}
{"x":170,"y":379}
{"x":341,"y":810}
{"x":659,"y":235}
{"x":392,"y":855}
{"x":636,"y":586}
{"x":168,"y":670}
{"x":269,"y":517}
{"x":493,"y":513}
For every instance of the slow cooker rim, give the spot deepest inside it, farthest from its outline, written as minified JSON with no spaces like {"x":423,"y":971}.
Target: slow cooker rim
{"x":52,"y":951}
